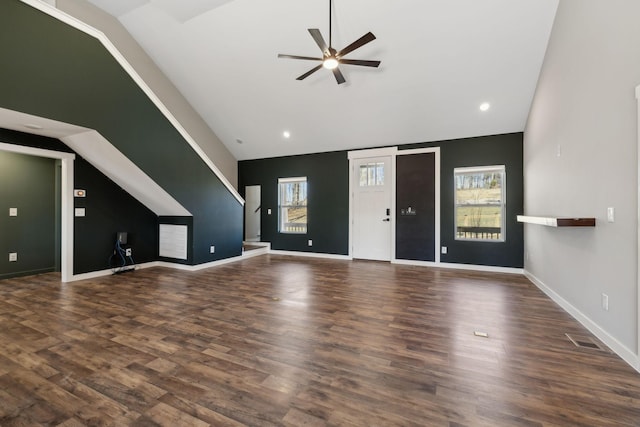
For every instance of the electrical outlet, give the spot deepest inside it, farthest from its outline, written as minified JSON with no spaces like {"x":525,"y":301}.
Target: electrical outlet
{"x":212,"y":249}
{"x":13,"y":211}
{"x":310,"y":242}
{"x":127,"y":252}
{"x":443,"y":250}
{"x":13,"y":256}
{"x":605,"y":302}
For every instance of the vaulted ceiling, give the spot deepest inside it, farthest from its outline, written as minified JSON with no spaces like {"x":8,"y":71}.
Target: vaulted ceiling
{"x":441,"y":59}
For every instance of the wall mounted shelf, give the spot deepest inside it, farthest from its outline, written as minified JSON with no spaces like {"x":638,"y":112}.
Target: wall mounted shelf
{"x":558,"y":222}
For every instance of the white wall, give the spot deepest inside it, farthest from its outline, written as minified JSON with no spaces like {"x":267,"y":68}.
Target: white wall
{"x":158,"y":82}
{"x":585,"y":107}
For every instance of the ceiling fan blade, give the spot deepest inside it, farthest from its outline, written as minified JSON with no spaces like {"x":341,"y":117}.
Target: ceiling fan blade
{"x":369,"y":37}
{"x":310,"y":58}
{"x":362,"y":62}
{"x":308,"y":73}
{"x":339,"y":77}
{"x":315,"y":33}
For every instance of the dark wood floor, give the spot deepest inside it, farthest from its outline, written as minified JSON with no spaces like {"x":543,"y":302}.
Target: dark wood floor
{"x":276,"y":340}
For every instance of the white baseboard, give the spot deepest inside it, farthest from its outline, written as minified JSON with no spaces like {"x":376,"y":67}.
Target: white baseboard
{"x":176,"y":266}
{"x":473,"y":267}
{"x":255,"y":252}
{"x":264,"y":244}
{"x":185,"y":267}
{"x":107,"y":272}
{"x":265,"y":248}
{"x":198,"y":267}
{"x":616,"y":346}
{"x":311,"y":255}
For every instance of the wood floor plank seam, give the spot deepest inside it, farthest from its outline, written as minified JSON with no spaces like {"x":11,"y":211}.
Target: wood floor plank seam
{"x":276,"y":340}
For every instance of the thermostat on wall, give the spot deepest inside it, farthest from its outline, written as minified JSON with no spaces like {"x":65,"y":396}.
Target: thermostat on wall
{"x":79,"y":193}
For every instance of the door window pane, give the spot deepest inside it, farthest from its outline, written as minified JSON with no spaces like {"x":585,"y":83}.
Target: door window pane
{"x":372,"y":174}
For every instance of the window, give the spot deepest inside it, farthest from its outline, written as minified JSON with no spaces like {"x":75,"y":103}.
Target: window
{"x":292,"y":205}
{"x":372,"y":174}
{"x":480,"y":203}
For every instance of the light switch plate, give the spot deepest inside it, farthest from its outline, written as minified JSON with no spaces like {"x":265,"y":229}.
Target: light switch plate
{"x":13,"y":211}
{"x":611,"y":214}
{"x":80,"y":212}
{"x":13,"y":256}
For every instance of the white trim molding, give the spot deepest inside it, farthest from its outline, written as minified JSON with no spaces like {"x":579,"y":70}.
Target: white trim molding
{"x":638,"y":231}
{"x":175,"y":266}
{"x":66,"y":202}
{"x":453,"y":266}
{"x":393,"y":152}
{"x":128,"y":68}
{"x":435,"y":150}
{"x":372,"y":152}
{"x":616,"y":346}
{"x":311,"y":255}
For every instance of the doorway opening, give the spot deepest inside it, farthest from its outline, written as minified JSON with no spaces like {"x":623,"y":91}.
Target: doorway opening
{"x":66,"y":201}
{"x":252,"y":212}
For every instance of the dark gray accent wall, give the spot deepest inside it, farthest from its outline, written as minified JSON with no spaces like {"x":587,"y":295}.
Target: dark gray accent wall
{"x":328,"y":180}
{"x":28,"y":184}
{"x":29,"y":140}
{"x":327,"y":193}
{"x":109,"y":208}
{"x":505,"y":150}
{"x":415,"y":207}
{"x":55,"y":71}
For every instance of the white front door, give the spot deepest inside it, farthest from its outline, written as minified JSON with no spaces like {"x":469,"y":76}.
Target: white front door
{"x":371,"y":184}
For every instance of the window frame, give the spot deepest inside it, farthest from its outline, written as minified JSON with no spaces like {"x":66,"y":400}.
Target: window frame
{"x":503,"y":202}
{"x":281,"y":225}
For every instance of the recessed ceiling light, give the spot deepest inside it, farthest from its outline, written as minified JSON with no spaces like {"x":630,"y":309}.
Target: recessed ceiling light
{"x":32,"y":126}
{"x":485,"y":106}
{"x":286,"y":134}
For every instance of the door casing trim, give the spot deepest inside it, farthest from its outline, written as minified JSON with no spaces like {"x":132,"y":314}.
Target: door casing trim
{"x":393,"y":152}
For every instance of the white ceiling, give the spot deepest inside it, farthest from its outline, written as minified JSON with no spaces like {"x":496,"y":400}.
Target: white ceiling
{"x":440,"y":60}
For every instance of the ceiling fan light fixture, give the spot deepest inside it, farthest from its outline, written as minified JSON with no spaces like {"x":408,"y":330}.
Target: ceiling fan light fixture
{"x":332,"y":58}
{"x":330,"y":63}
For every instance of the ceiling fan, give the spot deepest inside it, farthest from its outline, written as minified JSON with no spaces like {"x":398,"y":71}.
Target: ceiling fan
{"x":331,"y":58}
